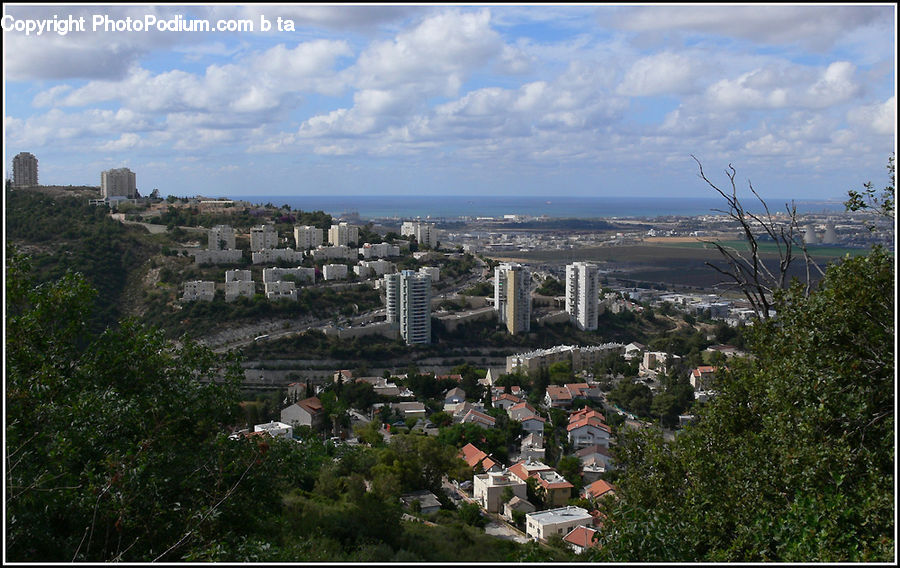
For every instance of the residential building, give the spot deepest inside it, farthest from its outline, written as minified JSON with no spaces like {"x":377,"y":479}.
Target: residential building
{"x":517,"y":505}
{"x":263,"y":237}
{"x":300,"y":275}
{"x":557,"y":397}
{"x":428,"y":502}
{"x":280,"y":290}
{"x":408,"y":303}
{"x":343,"y":234}
{"x":379,"y":250}
{"x":238,"y":276}
{"x":479,"y":418}
{"x":583,"y":294}
{"x":578,"y":357}
{"x":533,"y":424}
{"x":409,"y":409}
{"x":230,"y":256}
{"x":118,"y":182}
{"x":512,"y":297}
{"x":455,"y":396}
{"x":532,"y":448}
{"x":488,"y":489}
{"x":376,"y":267}
{"x":306,"y":412}
{"x":337,"y":252}
{"x":276,"y":429}
{"x":597,"y":489}
{"x":334,"y":271}
{"x":657,"y":361}
{"x":540,"y":525}
{"x":307,"y":237}
{"x":581,"y":538}
{"x":239,"y":283}
{"x":505,"y":401}
{"x":520,"y":411}
{"x":702,"y":377}
{"x":588,"y":431}
{"x":221,"y":237}
{"x":199,"y":290}
{"x":433,"y":271}
{"x":477,"y":459}
{"x":25,"y":170}
{"x":596,"y":456}
{"x":425,"y":233}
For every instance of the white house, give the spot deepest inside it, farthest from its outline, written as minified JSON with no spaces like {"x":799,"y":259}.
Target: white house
{"x":488,"y":489}
{"x":541,"y":525}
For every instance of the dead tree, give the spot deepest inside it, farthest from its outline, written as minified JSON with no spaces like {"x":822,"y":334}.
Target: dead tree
{"x":746,"y":269}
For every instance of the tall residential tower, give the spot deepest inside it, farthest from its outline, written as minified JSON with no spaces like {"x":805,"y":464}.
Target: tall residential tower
{"x":583,"y":294}
{"x":408,"y":302}
{"x":25,"y":170}
{"x":512,"y":296}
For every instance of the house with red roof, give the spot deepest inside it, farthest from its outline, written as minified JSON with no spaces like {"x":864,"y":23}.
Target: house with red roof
{"x":587,"y":431}
{"x":476,"y":459}
{"x":306,"y":412}
{"x":581,"y":538}
{"x":702,"y":377}
{"x":557,"y":397}
{"x":597,"y":489}
{"x":555,"y":489}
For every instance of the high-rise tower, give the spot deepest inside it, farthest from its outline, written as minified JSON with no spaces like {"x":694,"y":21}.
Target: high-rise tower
{"x":25,"y":170}
{"x":512,"y":296}
{"x":408,"y":303}
{"x":582,"y":294}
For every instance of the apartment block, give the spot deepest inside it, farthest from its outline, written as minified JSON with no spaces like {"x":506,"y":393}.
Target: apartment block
{"x":221,"y":237}
{"x":231,"y":256}
{"x":336,"y":252}
{"x":512,"y":297}
{"x":201,"y":290}
{"x":308,"y":237}
{"x":263,"y":237}
{"x":273,"y":255}
{"x":334,"y":271}
{"x":425,"y":233}
{"x":379,"y":250}
{"x":541,"y":525}
{"x":488,"y":489}
{"x":120,"y":182}
{"x":408,"y":303}
{"x":237,"y":288}
{"x":280,"y":290}
{"x":343,"y":234}
{"x":25,"y":170}
{"x":583,"y":294}
{"x":299,"y":274}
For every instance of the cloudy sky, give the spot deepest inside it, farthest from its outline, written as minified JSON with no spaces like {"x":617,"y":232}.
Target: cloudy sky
{"x":553,"y":100}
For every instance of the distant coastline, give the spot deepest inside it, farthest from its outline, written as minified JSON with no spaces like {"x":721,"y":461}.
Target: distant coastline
{"x":473,"y":206}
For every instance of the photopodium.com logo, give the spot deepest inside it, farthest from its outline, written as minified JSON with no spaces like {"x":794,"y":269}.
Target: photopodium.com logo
{"x":103,"y":23}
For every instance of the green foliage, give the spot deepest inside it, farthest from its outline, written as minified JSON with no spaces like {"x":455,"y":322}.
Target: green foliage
{"x":117,"y":445}
{"x":868,"y":200}
{"x":793,"y":460}
{"x":551,"y":287}
{"x":479,"y":289}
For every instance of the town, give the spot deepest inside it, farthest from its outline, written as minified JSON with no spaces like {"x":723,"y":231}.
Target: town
{"x":555,"y":411}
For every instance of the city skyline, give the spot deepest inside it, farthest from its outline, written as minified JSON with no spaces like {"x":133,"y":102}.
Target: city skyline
{"x":445,"y":99}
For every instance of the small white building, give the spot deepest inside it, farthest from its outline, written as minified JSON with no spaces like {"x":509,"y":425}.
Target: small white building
{"x":276,"y":429}
{"x":432,"y":271}
{"x":236,"y":288}
{"x":541,"y":525}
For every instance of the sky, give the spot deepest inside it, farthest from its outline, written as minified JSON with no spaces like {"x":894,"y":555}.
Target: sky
{"x":455,"y":99}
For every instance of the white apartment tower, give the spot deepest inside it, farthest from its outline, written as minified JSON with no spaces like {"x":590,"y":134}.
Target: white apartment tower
{"x":583,"y":294}
{"x":408,"y":302}
{"x":263,"y":237}
{"x":25,"y":170}
{"x":512,"y":296}
{"x":307,"y":237}
{"x":119,"y":182}
{"x":343,"y":234}
{"x":221,"y":237}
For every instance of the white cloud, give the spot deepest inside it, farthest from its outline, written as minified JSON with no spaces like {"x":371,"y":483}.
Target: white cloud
{"x":816,"y":27}
{"x":879,"y":118}
{"x":660,"y":74}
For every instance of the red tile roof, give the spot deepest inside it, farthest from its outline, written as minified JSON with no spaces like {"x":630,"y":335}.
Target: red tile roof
{"x":587,"y":422}
{"x":598,"y":488}
{"x":581,"y":536}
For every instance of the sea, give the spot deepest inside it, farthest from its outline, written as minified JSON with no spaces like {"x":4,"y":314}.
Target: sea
{"x":554,"y":207}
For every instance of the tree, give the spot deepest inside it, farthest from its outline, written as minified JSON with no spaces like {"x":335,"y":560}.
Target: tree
{"x":747,"y":269}
{"x":804,"y":471}
{"x":867,"y":200}
{"x":117,"y":444}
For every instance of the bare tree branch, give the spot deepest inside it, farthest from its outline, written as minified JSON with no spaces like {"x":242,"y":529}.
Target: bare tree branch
{"x":747,"y":270}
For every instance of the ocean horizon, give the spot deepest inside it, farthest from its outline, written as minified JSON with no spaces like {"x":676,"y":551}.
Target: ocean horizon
{"x":471,"y":206}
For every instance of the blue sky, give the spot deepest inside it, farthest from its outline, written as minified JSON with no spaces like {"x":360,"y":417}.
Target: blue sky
{"x":599,"y":100}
